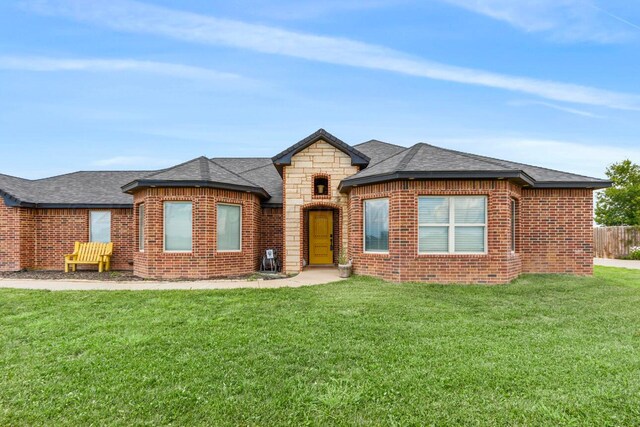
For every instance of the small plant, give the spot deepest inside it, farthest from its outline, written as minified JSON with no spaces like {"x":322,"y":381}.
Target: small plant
{"x":634,"y":253}
{"x":342,"y":257}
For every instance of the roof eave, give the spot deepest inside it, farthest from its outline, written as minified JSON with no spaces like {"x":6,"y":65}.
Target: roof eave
{"x":146,"y":183}
{"x":573,"y":184}
{"x":515,"y":175}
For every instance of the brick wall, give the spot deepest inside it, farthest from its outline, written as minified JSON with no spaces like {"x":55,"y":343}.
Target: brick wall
{"x":403,"y":263}
{"x":57,"y":230}
{"x":10,"y":250}
{"x":557,"y":231}
{"x":204,"y":261}
{"x":318,"y":159}
{"x":271,"y":230}
{"x":39,"y":238}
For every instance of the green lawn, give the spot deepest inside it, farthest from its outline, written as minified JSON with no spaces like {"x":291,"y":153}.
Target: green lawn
{"x":542,"y":350}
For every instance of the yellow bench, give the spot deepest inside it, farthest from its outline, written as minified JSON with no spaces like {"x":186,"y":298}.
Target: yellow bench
{"x":90,"y":253}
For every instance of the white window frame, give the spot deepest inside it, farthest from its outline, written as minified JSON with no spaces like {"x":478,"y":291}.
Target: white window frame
{"x":110,"y":223}
{"x":513,"y":225}
{"x":141,"y":224}
{"x":364,"y":226}
{"x":164,"y":226}
{"x":229,"y":250}
{"x":452,"y":225}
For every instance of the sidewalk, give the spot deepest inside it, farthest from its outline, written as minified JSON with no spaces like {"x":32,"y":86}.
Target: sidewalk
{"x":622,"y":263}
{"x":308,"y":277}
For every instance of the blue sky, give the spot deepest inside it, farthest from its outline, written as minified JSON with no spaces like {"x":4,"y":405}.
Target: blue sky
{"x":90,"y":85}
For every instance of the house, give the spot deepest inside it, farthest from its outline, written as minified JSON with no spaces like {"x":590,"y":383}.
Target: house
{"x":421,"y":213}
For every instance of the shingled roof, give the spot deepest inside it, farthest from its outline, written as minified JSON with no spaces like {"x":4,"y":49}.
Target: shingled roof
{"x":379,"y":161}
{"x":425,"y":161}
{"x":74,"y":190}
{"x":199,"y":172}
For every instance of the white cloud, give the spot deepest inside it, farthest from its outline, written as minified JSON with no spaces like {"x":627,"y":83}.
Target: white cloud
{"x":557,"y":107}
{"x":42,"y":64}
{"x":139,"y":162}
{"x":138,"y":17}
{"x":580,"y":158}
{"x":565,"y":20}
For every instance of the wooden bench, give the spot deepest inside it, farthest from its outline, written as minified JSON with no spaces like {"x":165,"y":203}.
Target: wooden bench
{"x":90,"y":253}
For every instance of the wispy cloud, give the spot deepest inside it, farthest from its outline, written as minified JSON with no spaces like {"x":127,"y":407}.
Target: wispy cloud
{"x":42,"y":64}
{"x":564,"y":20}
{"x":570,"y":156}
{"x":556,"y":107}
{"x":141,"y":162}
{"x":138,"y":17}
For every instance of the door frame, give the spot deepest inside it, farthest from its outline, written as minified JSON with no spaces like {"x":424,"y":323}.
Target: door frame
{"x":335,"y":218}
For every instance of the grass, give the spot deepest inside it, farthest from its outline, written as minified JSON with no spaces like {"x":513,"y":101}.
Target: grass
{"x":543,"y":350}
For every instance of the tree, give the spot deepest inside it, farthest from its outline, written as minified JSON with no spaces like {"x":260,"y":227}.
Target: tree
{"x":620,"y":204}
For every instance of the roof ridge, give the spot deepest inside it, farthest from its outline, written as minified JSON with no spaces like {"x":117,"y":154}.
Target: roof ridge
{"x":489,"y":159}
{"x":233,"y":173}
{"x":204,"y":169}
{"x":159,"y":171}
{"x":17,"y":177}
{"x":538,"y":167}
{"x":469,"y":155}
{"x":381,"y":142}
{"x":408,"y":156}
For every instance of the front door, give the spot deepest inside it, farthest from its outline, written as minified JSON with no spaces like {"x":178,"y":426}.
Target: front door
{"x":320,"y":237}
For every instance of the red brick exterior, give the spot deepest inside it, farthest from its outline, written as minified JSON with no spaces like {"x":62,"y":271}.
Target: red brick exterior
{"x":271,"y":232}
{"x":553,"y":232}
{"x":204,"y":261}
{"x":556,"y":231}
{"x":39,"y":238}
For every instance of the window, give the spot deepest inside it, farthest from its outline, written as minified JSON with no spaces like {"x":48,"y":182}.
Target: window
{"x":100,"y":226}
{"x":177,"y":226}
{"x":376,"y":225}
{"x":229,"y":227}
{"x":141,"y":228}
{"x":513,"y":225}
{"x":321,"y":186}
{"x":452,"y":224}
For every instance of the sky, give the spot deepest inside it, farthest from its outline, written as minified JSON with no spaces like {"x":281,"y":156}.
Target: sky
{"x":121,"y":85}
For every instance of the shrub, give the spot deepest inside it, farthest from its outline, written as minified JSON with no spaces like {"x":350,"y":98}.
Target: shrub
{"x":634,"y":253}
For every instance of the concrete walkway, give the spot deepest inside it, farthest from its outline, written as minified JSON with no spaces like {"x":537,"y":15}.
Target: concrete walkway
{"x":309,"y":277}
{"x":622,"y":263}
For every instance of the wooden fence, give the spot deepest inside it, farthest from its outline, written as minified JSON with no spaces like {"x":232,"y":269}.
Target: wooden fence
{"x":614,"y":242}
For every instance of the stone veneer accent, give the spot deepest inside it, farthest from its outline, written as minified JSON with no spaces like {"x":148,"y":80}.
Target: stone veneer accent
{"x":318,"y":158}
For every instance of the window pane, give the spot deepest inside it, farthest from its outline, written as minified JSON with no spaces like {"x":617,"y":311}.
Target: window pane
{"x":229,"y":227}
{"x":100,"y":226}
{"x":433,"y":210}
{"x":177,"y":226}
{"x":376,"y":222}
{"x":141,"y":227}
{"x":469,"y":239}
{"x":469,"y":210}
{"x":433,"y":239}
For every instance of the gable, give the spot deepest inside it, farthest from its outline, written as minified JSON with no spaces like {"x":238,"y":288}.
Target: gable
{"x":284,"y":158}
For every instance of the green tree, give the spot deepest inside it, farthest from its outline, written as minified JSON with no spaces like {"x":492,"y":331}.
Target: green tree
{"x":620,"y":204}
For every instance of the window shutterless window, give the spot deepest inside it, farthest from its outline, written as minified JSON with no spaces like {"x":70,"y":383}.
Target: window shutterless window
{"x":229,"y":227}
{"x":376,"y":225}
{"x":453,"y":224}
{"x":513,"y":225}
{"x":178,"y":226}
{"x":100,"y":226}
{"x":141,"y":228}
